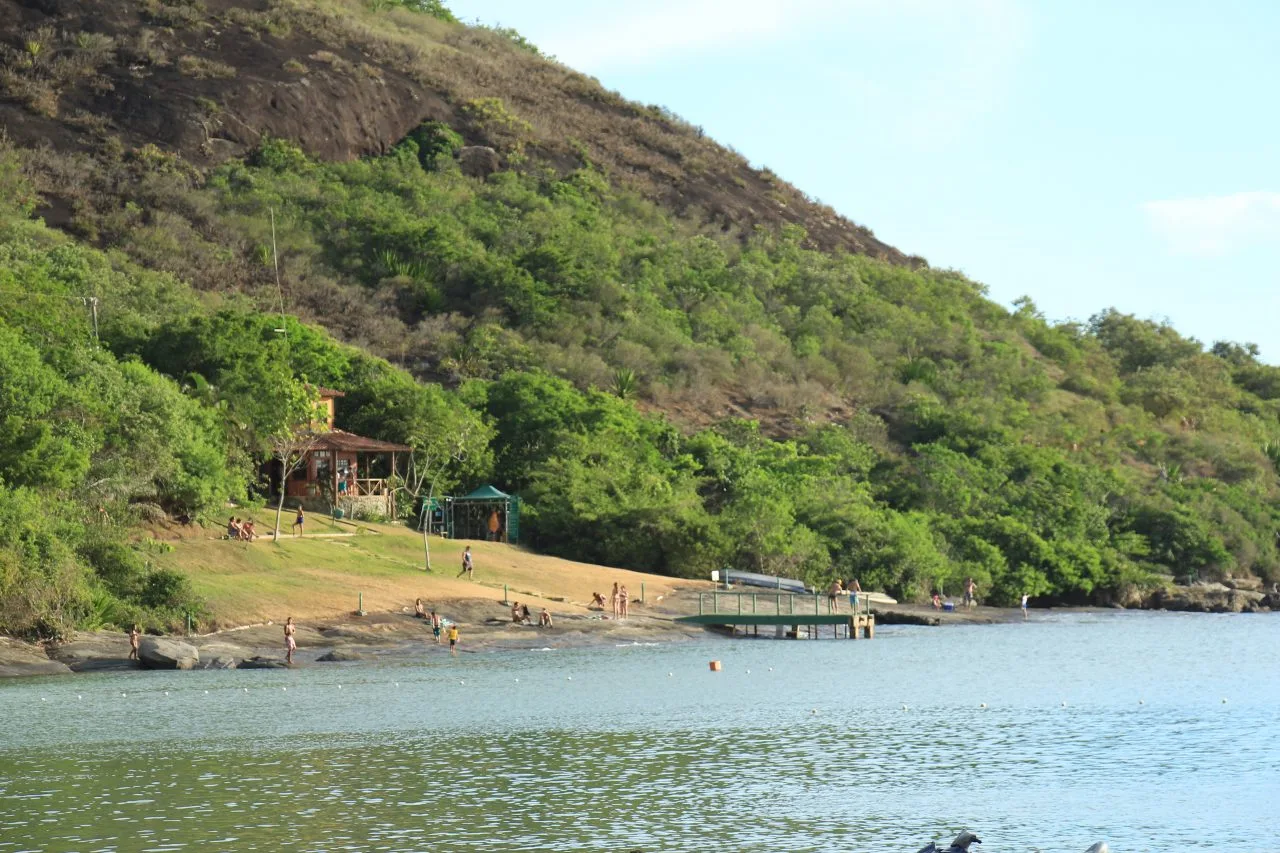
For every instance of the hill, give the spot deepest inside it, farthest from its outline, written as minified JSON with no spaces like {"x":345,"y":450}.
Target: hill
{"x":602,"y":314}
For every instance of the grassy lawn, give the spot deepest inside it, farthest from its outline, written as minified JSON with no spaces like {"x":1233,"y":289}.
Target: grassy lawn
{"x":321,"y":575}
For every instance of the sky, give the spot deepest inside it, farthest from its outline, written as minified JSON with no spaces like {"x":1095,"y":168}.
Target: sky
{"x":1086,"y":153}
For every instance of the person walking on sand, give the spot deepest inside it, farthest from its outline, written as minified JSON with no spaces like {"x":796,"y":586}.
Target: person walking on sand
{"x":290,"y":644}
{"x":613,"y":601}
{"x":298,"y":521}
{"x":135,"y":637}
{"x":624,"y":601}
{"x":468,"y":566}
{"x":453,"y":639}
{"x":1024,"y":607}
{"x":435,"y":626}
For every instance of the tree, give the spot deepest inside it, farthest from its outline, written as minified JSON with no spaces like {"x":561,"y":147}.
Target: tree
{"x":431,"y":462}
{"x":298,"y":428}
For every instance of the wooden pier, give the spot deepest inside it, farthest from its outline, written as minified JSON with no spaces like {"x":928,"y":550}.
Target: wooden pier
{"x":786,"y":612}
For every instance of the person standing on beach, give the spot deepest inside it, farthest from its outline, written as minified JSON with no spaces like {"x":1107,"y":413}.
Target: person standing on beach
{"x":970,"y":593}
{"x":1024,"y":607}
{"x":613,"y":600}
{"x":298,"y":521}
{"x":468,"y":566}
{"x":435,"y":626}
{"x":290,"y":644}
{"x":453,"y":639}
{"x":135,"y":637}
{"x":624,"y":599}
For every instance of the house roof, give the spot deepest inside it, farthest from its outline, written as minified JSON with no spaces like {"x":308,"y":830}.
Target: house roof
{"x":336,"y":439}
{"x":484,"y":493}
{"x":329,"y":393}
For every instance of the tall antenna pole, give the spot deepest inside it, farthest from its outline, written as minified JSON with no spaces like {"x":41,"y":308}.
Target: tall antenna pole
{"x":275,"y":263}
{"x":93,"y":308}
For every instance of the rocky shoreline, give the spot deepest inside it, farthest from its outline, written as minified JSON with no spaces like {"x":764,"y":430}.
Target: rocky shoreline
{"x":486,"y":626}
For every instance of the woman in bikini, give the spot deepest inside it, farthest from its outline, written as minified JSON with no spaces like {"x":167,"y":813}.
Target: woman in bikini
{"x":419,"y":611}
{"x":623,"y":600}
{"x":290,"y":644}
{"x":613,"y":601}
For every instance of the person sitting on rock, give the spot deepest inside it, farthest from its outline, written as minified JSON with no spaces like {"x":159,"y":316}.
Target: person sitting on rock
{"x":419,"y":610}
{"x":135,"y":638}
{"x":544,"y":619}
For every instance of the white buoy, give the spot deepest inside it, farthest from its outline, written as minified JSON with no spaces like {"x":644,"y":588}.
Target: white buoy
{"x":670,"y":675}
{"x":398,"y":683}
{"x":78,"y":696}
{"x":284,"y":689}
{"x":246,"y":690}
{"x":166,"y":693}
{"x":42,"y":699}
{"x":1064,"y":704}
{"x":206,"y":693}
{"x":771,"y":669}
{"x":814,"y":711}
{"x":571,"y":679}
{"x":983,"y":705}
{"x":748,"y":672}
{"x":123,"y":695}
{"x":339,"y":686}
{"x":517,"y":681}
{"x":1224,"y":701}
{"x":462,"y":682}
{"x":904,"y":707}
{"x":1141,"y":702}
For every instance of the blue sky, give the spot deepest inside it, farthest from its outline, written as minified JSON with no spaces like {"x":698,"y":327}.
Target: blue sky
{"x":1087,"y":154}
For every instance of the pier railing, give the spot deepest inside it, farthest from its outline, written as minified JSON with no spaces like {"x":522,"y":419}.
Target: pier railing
{"x":775,"y":603}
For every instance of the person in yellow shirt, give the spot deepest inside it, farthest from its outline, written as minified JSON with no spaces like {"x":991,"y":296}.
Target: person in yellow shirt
{"x":453,"y":639}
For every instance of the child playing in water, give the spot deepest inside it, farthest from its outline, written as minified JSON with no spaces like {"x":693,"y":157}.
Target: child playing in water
{"x":453,"y":639}
{"x":435,"y":626}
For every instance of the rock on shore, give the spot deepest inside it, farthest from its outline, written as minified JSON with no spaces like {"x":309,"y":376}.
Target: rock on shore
{"x":18,"y":659}
{"x":160,"y":653}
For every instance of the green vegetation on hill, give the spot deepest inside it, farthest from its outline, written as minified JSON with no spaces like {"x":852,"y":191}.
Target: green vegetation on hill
{"x":664,"y":396}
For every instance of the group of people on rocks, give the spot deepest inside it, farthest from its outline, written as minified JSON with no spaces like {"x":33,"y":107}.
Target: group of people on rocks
{"x":520,"y":615}
{"x":619,"y":601}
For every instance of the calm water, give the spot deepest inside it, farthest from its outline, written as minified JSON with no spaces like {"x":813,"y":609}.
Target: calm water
{"x":642,"y":748}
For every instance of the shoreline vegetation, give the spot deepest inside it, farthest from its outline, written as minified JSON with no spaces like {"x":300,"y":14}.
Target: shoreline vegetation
{"x":676,"y":361}
{"x":320,"y":579}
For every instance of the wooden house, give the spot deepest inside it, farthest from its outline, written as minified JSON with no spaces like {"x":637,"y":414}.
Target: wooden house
{"x":343,"y":470}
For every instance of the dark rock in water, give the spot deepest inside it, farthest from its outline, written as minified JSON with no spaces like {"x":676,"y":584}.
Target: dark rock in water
{"x":222,"y":662}
{"x":478,"y":161}
{"x":340,"y":656}
{"x":902,"y":617}
{"x":161,"y":653}
{"x":263,"y":663}
{"x":19,"y":659}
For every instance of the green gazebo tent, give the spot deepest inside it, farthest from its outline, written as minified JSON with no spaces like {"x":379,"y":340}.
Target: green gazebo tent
{"x":476,"y":515}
